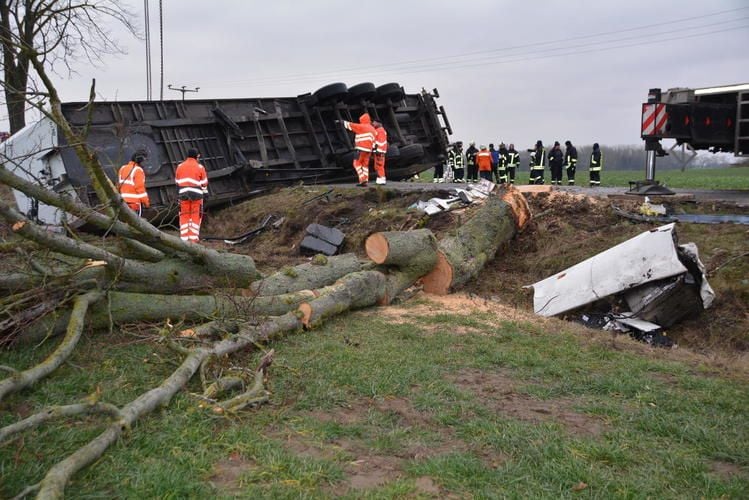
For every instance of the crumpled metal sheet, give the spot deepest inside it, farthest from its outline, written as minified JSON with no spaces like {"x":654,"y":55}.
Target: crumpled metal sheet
{"x":647,"y":257}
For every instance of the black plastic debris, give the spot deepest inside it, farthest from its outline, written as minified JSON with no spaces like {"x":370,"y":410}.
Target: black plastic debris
{"x":311,"y":246}
{"x":321,"y":239}
{"x":330,"y":234}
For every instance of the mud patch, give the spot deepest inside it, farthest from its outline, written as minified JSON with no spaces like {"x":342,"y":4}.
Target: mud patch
{"x":727,"y":470}
{"x":227,"y":472}
{"x":496,"y":390}
{"x":426,"y":485}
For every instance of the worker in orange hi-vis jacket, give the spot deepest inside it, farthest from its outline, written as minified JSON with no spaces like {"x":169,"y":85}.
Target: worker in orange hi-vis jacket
{"x":484,"y":163}
{"x":363,"y":141}
{"x":192,"y":185}
{"x":131,"y":183}
{"x":380,"y":151}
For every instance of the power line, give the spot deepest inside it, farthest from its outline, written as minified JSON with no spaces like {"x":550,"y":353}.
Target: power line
{"x":148,"y":50}
{"x":443,"y":59}
{"x":503,"y":59}
{"x":161,"y":42}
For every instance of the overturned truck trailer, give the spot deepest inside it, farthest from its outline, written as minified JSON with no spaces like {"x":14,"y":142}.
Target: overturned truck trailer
{"x":246,"y":144}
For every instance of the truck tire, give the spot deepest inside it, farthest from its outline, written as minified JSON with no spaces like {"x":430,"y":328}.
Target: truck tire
{"x":411,"y":152}
{"x":393,"y":152}
{"x":334,"y":92}
{"x":390,"y":90}
{"x":362,"y":91}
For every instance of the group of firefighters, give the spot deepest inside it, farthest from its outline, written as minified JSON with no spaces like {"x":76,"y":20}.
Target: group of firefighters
{"x":503,"y":163}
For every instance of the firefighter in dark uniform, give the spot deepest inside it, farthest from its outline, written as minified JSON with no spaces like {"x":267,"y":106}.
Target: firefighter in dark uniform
{"x":513,"y":162}
{"x":495,"y":162}
{"x":473,"y":169}
{"x":502,"y":168}
{"x":596,"y":165}
{"x":570,"y":162}
{"x":556,"y":160}
{"x":456,"y":162}
{"x":538,"y":160}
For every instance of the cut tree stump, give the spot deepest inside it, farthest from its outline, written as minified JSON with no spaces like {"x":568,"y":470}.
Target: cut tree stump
{"x":460,"y":257}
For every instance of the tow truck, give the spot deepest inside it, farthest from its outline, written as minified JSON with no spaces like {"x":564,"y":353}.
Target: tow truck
{"x":714,"y":119}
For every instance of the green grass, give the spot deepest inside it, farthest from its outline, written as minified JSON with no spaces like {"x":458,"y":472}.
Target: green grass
{"x":664,"y":422}
{"x":714,"y":178}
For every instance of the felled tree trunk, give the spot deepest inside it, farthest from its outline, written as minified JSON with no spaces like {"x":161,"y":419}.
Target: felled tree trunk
{"x":407,"y":255}
{"x":460,"y":257}
{"x":320,"y":272}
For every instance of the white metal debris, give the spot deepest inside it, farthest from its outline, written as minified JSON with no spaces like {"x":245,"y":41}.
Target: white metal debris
{"x":647,"y":257}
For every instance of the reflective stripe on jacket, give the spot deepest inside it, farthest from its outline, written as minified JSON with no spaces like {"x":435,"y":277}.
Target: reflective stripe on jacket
{"x":596,"y":160}
{"x":381,"y":140}
{"x":191,"y":177}
{"x":365,"y":132}
{"x":132,"y":184}
{"x":484,"y":160}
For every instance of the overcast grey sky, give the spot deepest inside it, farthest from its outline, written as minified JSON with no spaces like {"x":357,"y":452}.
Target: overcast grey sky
{"x":564,"y":78}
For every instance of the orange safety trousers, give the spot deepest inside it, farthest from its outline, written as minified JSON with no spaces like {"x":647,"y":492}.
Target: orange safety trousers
{"x":136,"y":207}
{"x":379,"y":164}
{"x":190,"y":217}
{"x":361,"y":166}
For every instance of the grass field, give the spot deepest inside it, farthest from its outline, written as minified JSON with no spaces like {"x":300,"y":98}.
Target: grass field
{"x":430,"y":400}
{"x":718,"y":178}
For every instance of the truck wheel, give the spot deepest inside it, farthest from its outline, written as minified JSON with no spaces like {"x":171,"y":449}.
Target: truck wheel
{"x":390,"y":90}
{"x":411,"y":152}
{"x":393,"y":152}
{"x":362,"y":91}
{"x":334,"y":92}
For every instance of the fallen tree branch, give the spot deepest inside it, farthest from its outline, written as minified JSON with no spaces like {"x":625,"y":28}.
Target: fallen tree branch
{"x":54,"y":412}
{"x":26,"y":378}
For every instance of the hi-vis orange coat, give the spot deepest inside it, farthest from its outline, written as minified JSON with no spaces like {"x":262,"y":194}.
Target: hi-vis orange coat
{"x":132,"y":186}
{"x":381,"y":149}
{"x":484,"y":160}
{"x":364,"y":140}
{"x":192,"y":182}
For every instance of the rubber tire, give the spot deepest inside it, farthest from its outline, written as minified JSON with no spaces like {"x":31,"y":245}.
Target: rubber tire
{"x":394,"y":91}
{"x":411,"y":152}
{"x":334,"y":92}
{"x":361,"y":91}
{"x":393,"y":153}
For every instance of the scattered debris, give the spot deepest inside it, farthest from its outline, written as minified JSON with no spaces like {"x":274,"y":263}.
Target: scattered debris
{"x":652,"y":214}
{"x":472,"y":193}
{"x":643,"y":284}
{"x":322,"y":239}
{"x":249,"y":234}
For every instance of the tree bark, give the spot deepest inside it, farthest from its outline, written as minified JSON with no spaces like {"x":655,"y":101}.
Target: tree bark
{"x":460,"y":257}
{"x":357,"y":290}
{"x":320,"y":272}
{"x":399,"y":248}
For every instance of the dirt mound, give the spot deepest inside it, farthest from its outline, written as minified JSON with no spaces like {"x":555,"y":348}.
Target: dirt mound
{"x":566,"y":229}
{"x":356,"y":212}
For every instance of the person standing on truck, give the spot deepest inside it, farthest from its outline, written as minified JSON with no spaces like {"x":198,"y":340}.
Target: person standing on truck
{"x":363,"y":142}
{"x":131,"y":183}
{"x":471,"y":162}
{"x":502,"y":169}
{"x":596,"y":165}
{"x":513,"y":162}
{"x":192,"y":186}
{"x":556,"y":160}
{"x":538,"y":160}
{"x":380,"y":151}
{"x":570,"y":161}
{"x":484,"y":163}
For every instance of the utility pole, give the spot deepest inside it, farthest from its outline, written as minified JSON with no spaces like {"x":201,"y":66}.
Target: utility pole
{"x":182,"y":89}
